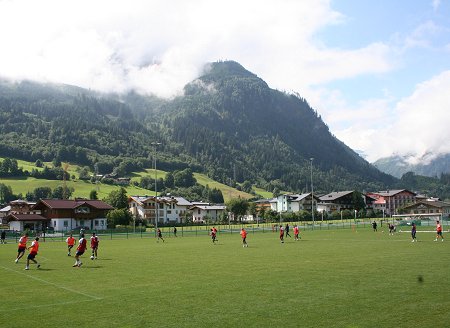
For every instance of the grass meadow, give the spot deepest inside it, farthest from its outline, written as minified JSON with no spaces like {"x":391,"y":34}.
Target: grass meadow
{"x":330,"y":278}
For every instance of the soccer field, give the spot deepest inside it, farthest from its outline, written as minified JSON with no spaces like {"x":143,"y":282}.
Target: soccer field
{"x":334,"y":278}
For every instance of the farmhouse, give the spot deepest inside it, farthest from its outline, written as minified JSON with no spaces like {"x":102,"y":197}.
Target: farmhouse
{"x":429,"y":207}
{"x":64,"y":214}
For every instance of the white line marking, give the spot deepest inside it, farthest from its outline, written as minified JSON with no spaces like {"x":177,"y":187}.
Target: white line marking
{"x":52,"y":284}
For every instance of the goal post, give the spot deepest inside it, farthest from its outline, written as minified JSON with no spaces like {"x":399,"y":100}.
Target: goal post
{"x":421,"y":219}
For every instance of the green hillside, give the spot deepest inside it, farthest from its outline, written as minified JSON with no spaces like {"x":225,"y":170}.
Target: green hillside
{"x":23,"y":185}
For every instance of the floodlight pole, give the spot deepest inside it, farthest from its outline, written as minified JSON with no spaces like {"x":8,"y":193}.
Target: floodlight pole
{"x":154,"y":144}
{"x":312,"y":192}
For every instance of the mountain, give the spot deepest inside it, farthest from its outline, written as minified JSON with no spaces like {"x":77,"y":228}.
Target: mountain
{"x":228,"y":124}
{"x":399,"y":165}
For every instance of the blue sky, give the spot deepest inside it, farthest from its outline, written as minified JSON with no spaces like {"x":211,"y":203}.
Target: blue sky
{"x":378,"y":72}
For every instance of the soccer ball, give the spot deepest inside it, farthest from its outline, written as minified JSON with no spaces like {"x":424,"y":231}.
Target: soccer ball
{"x":92,"y":257}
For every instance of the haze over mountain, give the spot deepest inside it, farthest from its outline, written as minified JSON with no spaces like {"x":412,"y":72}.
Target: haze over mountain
{"x":399,"y":165}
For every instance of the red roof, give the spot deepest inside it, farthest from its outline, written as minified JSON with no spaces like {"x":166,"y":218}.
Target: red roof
{"x":73,"y":203}
{"x":25,"y":217}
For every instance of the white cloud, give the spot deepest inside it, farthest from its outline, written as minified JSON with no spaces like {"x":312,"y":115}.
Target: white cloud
{"x":435,"y":4}
{"x":416,"y":126}
{"x":158,"y":46}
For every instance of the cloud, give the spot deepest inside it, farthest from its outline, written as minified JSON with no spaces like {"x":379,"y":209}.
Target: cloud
{"x":416,"y":126}
{"x":158,"y":46}
{"x":435,"y":4}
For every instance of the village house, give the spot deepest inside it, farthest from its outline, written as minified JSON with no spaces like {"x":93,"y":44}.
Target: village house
{"x":392,"y":200}
{"x":203,"y":211}
{"x":293,"y":203}
{"x":170,"y":209}
{"x":21,"y":216}
{"x":428,"y":206}
{"x":66,"y":215}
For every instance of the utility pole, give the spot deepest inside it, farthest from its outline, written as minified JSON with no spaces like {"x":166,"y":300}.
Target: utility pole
{"x":312,"y":191}
{"x":155,"y":144}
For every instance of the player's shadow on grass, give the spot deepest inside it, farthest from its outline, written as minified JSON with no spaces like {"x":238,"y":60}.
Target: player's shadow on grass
{"x":92,"y":267}
{"x":45,"y":269}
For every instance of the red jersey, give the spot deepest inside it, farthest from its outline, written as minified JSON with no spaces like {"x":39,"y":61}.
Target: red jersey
{"x":23,"y":241}
{"x":243,"y":233}
{"x":94,"y":241}
{"x":34,"y":247}
{"x":295,"y":230}
{"x":438,"y":227}
{"x":81,"y":245}
{"x":70,"y":241}
{"x":281,"y":231}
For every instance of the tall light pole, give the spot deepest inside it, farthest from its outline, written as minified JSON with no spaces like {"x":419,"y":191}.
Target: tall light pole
{"x":154,"y":144}
{"x":312,"y":191}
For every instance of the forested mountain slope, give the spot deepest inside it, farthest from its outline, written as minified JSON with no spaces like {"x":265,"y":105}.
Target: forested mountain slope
{"x":228,"y":124}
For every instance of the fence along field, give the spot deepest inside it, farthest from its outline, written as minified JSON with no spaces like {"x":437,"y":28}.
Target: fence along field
{"x":330,"y":278}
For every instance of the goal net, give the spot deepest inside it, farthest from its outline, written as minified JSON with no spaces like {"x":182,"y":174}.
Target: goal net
{"x":423,"y":220}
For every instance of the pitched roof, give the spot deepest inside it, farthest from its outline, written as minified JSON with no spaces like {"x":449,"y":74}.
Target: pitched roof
{"x":334,"y":195}
{"x":210,"y":207}
{"x":73,"y":203}
{"x":390,"y":193}
{"x":430,"y":203}
{"x":25,"y":217}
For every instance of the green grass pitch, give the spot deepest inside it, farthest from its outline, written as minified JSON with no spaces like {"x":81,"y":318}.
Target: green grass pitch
{"x":333,"y":278}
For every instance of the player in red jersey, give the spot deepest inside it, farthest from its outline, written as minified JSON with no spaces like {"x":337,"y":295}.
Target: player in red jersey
{"x":70,"y":243}
{"x":80,"y":251}
{"x":438,"y":231}
{"x":213,"y":235}
{"x":296,"y":232}
{"x":94,"y":245}
{"x":281,"y":234}
{"x":33,"y":252}
{"x":244,"y":237}
{"x":21,"y":247}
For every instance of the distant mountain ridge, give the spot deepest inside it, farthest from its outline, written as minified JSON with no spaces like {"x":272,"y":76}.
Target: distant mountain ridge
{"x":229,"y":124}
{"x":399,"y":165}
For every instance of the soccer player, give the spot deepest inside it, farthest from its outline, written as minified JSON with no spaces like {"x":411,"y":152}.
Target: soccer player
{"x":33,"y":252}
{"x":296,"y":231}
{"x":159,"y":235}
{"x":438,"y":231}
{"x":70,"y":243}
{"x":281,"y":234}
{"x":175,"y":231}
{"x":21,"y":247}
{"x":94,"y":245}
{"x":244,"y":237}
{"x":413,"y":232}
{"x":3,"y":237}
{"x":215,"y":232}
{"x":286,"y":230}
{"x":80,"y":251}
{"x":213,"y":235}
{"x":374,"y":226}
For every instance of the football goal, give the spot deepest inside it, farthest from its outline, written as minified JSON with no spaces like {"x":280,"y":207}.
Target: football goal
{"x":421,"y":219}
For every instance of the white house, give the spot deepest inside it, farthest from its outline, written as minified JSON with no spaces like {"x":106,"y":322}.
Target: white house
{"x":201,"y":211}
{"x":170,"y":209}
{"x":292,"y":203}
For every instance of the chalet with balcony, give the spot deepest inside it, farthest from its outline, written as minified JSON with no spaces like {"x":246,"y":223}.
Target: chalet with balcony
{"x":168,"y":209}
{"x":66,"y":215}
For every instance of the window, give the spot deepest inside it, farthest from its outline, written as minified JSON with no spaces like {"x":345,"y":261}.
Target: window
{"x":66,"y":223}
{"x":96,"y":222}
{"x":102,"y":222}
{"x":54,"y":223}
{"x":169,"y":212}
